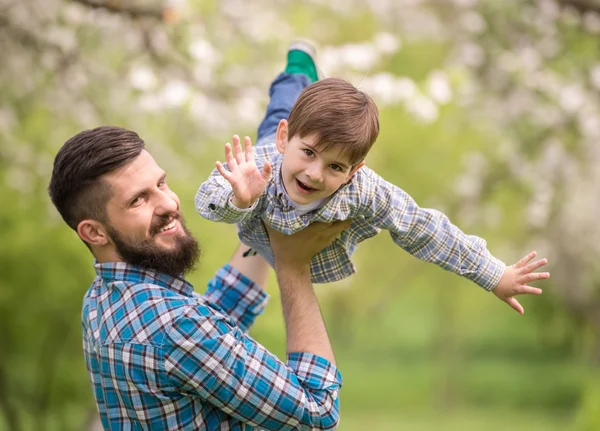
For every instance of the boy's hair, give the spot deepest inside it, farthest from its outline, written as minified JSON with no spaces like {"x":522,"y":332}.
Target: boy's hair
{"x":339,"y":114}
{"x":76,"y":189}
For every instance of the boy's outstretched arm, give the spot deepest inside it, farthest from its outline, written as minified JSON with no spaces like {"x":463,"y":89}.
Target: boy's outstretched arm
{"x":515,"y":278}
{"x":231,"y":192}
{"x":429,"y":235}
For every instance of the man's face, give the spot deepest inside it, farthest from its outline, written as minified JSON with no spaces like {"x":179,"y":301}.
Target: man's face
{"x":144,"y":220}
{"x":310,"y":174}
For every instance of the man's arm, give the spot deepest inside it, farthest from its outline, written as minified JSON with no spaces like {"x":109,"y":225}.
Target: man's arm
{"x":208,"y":356}
{"x":305,"y":328}
{"x":237,"y":287}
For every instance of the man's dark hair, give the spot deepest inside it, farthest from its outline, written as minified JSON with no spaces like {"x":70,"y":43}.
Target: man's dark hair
{"x":76,"y":189}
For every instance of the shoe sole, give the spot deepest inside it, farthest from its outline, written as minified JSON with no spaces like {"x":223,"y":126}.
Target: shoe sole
{"x":308,"y":47}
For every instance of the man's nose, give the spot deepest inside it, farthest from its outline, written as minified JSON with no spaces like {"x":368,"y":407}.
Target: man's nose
{"x":167,"y":203}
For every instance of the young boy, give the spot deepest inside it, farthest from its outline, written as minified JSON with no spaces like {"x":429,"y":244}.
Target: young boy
{"x":308,"y":165}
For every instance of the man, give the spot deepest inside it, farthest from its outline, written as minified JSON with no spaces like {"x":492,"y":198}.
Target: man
{"x":160,"y":356}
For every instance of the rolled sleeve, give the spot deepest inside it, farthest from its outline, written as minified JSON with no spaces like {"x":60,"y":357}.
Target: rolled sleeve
{"x":314,"y":371}
{"x":237,"y":295}
{"x":207,"y":356}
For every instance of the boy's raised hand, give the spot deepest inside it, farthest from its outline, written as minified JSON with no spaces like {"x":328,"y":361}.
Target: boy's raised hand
{"x":515,"y":278}
{"x":247,"y":182}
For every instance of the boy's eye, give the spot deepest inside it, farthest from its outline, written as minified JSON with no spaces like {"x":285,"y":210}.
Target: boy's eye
{"x":308,"y":152}
{"x":337,"y":168}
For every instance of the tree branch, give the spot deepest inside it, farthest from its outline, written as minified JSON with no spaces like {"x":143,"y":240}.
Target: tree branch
{"x":25,"y":37}
{"x":582,"y":6}
{"x":134,"y":12}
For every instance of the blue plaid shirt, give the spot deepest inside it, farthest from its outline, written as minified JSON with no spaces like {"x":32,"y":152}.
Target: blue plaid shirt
{"x":371,"y":203}
{"x":161,"y":357}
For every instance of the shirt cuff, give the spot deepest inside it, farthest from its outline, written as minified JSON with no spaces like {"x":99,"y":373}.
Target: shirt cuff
{"x":489,"y":276}
{"x":315,"y":372}
{"x":236,"y":294}
{"x":227,"y":212}
{"x":242,"y":210}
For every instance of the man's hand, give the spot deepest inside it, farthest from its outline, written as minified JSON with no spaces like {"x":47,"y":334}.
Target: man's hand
{"x":247,"y":182}
{"x":298,"y":249}
{"x":515,"y":278}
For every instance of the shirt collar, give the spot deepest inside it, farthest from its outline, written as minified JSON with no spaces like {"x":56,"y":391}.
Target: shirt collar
{"x":121,"y":271}
{"x":277,"y":179}
{"x":279,"y":189}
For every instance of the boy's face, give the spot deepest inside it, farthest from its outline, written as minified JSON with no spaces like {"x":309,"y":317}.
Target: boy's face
{"x":309,"y":174}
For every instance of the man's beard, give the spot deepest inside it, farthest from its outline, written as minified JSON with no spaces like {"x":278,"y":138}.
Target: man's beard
{"x":146,"y":253}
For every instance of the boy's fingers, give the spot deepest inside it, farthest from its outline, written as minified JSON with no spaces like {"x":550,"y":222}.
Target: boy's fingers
{"x":529,"y":290}
{"x":535,"y":265}
{"x":515,"y":304}
{"x":527,"y":278}
{"x":267,"y":171}
{"x":229,"y":156}
{"x":226,"y":174}
{"x":521,"y":263}
{"x":237,"y":149}
{"x":248,"y":149}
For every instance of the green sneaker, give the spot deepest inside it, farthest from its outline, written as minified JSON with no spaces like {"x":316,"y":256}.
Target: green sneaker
{"x":301,"y":58}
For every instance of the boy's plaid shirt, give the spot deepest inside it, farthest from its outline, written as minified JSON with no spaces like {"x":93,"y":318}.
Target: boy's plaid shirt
{"x":371,"y":203}
{"x":161,"y":357}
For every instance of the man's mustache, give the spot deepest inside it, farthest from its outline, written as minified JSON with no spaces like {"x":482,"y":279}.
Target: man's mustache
{"x":162,"y":221}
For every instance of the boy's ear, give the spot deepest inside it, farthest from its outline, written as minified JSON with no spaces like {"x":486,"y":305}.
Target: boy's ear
{"x":356,"y":168}
{"x":92,"y":232}
{"x":281,"y":138}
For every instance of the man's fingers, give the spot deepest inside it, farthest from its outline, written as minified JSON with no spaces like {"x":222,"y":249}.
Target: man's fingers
{"x":340,"y":226}
{"x":515,"y":304}
{"x":248,"y":149}
{"x":521,"y":263}
{"x":237,"y":149}
{"x":267,"y":171}
{"x":226,"y":174}
{"x":329,"y":229}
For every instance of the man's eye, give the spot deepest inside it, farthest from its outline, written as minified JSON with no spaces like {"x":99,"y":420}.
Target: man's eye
{"x":136,"y":201}
{"x":308,"y":152}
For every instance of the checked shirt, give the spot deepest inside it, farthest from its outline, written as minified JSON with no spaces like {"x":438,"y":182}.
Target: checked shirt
{"x":162,"y":357}
{"x":372,"y":204}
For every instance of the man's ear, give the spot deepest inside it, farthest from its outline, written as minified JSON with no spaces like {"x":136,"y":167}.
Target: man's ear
{"x":281,"y":138}
{"x":93,"y":233}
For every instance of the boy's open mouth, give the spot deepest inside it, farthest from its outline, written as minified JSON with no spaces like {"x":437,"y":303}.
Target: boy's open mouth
{"x":304,"y":187}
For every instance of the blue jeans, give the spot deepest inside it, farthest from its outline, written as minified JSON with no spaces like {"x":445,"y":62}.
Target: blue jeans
{"x":283,"y":93}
